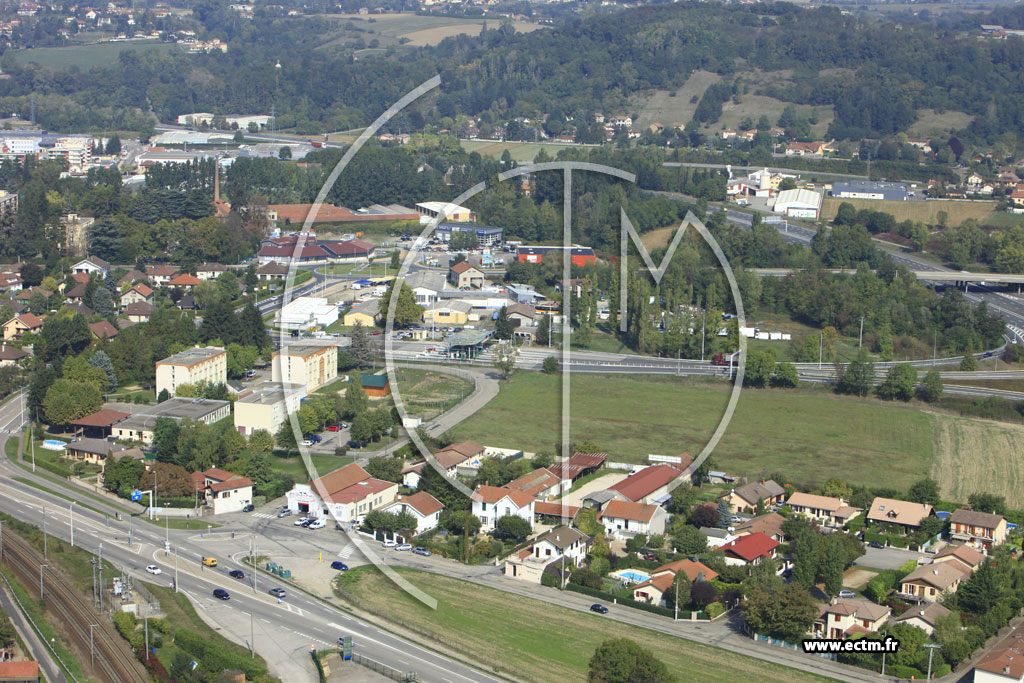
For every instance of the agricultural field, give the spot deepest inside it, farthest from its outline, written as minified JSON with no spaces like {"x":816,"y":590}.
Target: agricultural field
{"x":930,"y":122}
{"x":809,"y":434}
{"x":1004,"y":219}
{"x":927,"y":211}
{"x":87,"y":56}
{"x":519,"y":151}
{"x":539,"y":642}
{"x":671,"y":108}
{"x":415,"y":30}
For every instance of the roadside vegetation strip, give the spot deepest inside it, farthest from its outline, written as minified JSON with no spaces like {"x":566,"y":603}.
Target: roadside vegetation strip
{"x":67,"y":661}
{"x":533,"y":640}
{"x":37,"y":485}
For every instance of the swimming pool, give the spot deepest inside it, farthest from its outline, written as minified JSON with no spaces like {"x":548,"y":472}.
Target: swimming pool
{"x":631,"y":576}
{"x":54,"y":445}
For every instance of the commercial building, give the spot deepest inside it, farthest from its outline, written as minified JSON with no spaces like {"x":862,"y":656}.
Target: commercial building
{"x":312,"y":365}
{"x":139,"y":426}
{"x":453,"y":213}
{"x":199,"y":364}
{"x":581,"y":256}
{"x":267,"y":405}
{"x":868,"y":189}
{"x":346,"y":495}
{"x":798,"y":203}
{"x":307,"y":313}
{"x":486,"y":235}
{"x":464,"y":275}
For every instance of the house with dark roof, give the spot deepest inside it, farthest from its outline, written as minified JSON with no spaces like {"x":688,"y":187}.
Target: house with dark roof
{"x":91,"y":265}
{"x":11,"y":355}
{"x":272,"y":272}
{"x":575,"y":466}
{"x":979,"y":529}
{"x":491,"y":503}
{"x":138,"y":312}
{"x":99,"y":424}
{"x":349,"y":251}
{"x":770,"y":525}
{"x":93,"y":451}
{"x":930,"y":582}
{"x":745,"y":498}
{"x":923,"y":616}
{"x":103,"y":330}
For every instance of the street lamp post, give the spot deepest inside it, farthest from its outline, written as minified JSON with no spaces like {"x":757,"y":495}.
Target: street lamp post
{"x":931,"y":651}
{"x":71,"y":519}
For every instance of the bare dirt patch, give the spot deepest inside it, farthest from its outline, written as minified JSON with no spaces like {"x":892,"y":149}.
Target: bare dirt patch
{"x":856,"y":577}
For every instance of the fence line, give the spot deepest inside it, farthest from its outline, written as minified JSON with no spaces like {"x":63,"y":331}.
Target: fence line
{"x":384,"y":669}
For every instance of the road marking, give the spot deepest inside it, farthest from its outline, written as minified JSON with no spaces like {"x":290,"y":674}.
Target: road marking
{"x":333,"y":625}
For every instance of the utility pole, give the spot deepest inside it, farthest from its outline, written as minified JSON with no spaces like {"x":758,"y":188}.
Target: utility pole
{"x":931,"y":651}
{"x":99,"y":568}
{"x":41,"y":580}
{"x":821,"y":343}
{"x":1,"y":541}
{"x":252,"y":637}
{"x":71,"y":518}
{"x":860,"y":341}
{"x":935,"y":345}
{"x":675,"y":617}
{"x":175,"y":569}
{"x":45,"y":556}
{"x":92,"y":647}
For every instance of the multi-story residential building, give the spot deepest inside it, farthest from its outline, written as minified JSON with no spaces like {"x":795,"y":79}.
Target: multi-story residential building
{"x":312,"y":365}
{"x":267,"y":405}
{"x":199,"y":364}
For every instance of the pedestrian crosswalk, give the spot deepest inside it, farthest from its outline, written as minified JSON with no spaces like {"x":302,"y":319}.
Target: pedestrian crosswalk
{"x":347,"y":551}
{"x":263,"y":515}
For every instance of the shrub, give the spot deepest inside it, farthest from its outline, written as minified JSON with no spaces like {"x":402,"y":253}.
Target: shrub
{"x":715,"y":609}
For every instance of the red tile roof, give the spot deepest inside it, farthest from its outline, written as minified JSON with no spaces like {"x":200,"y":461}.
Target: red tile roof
{"x":461,"y":267}
{"x":184,"y":280}
{"x":30,"y":320}
{"x":751,"y":547}
{"x":360,"y":490}
{"x":235,"y":483}
{"x":338,"y":479}
{"x":219,"y":474}
{"x":103,"y":329}
{"x":534,"y":482}
{"x":646,"y":481}
{"x":624,"y":509}
{"x":101,"y":418}
{"x":423,"y":502}
{"x":297,"y":213}
{"x":494,"y":494}
{"x":689,"y":567}
{"x":556,"y":510}
{"x":23,"y":669}
{"x":308,"y":251}
{"x":142,"y":289}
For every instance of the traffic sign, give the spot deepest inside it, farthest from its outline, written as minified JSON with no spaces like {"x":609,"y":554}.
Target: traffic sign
{"x":136,"y":495}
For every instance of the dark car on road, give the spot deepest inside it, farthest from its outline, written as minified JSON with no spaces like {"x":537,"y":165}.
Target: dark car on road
{"x":221,"y":594}
{"x":236,"y":574}
{"x":876,"y":544}
{"x":599,"y":608}
{"x":339,"y":565}
{"x":420,"y":550}
{"x":249,"y":508}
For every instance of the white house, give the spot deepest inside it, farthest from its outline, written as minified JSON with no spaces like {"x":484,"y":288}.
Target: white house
{"x":90,"y":265}
{"x":421,"y":505}
{"x":345,"y":495}
{"x":491,"y":503}
{"x":563,"y":545}
{"x":224,"y":491}
{"x":625,"y":519}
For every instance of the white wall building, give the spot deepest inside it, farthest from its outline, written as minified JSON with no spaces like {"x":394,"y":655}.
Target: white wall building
{"x":307,"y":313}
{"x":267,"y":405}
{"x":491,"y":503}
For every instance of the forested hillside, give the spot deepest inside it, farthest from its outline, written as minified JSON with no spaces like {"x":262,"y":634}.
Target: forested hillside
{"x":891,"y":71}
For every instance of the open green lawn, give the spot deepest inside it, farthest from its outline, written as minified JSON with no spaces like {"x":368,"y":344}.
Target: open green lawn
{"x":428,"y":393}
{"x":87,"y":56}
{"x":362,"y":269}
{"x":808,"y":434}
{"x":294,"y":466}
{"x":533,"y":640}
{"x":520,"y":151}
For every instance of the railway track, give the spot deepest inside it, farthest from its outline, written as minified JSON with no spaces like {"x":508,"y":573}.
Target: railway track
{"x":114,"y":660}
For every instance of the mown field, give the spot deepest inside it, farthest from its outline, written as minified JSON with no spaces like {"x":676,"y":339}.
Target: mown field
{"x":533,"y":640}
{"x":519,"y":151}
{"x":420,"y":30}
{"x":86,"y":56}
{"x":808,"y":434}
{"x":928,"y":211}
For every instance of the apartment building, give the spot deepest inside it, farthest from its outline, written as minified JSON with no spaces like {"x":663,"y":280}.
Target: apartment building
{"x":209,"y":364}
{"x":312,"y":365}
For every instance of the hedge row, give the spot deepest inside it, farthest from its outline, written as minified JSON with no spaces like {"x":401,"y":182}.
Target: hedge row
{"x":215,"y":659}
{"x":594,"y":593}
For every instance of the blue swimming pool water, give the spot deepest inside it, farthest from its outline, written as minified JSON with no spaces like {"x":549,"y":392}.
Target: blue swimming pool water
{"x":630,"y":575}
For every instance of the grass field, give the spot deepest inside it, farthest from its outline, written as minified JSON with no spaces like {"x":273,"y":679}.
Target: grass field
{"x":1003,"y":219}
{"x":930,"y":122}
{"x":927,"y":211}
{"x":421,"y":30}
{"x":808,"y":434}
{"x":322,"y":463}
{"x":363,"y":269}
{"x":538,"y":641}
{"x":86,"y":56}
{"x":520,"y":151}
{"x":977,"y":455}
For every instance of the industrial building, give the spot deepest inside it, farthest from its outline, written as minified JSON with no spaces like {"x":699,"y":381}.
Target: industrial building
{"x":869,"y":189}
{"x":307,"y":313}
{"x":139,"y":426}
{"x":798,"y":203}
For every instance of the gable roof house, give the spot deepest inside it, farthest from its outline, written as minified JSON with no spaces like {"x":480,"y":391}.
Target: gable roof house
{"x":225,"y":491}
{"x":625,"y":519}
{"x":980,"y":529}
{"x":1004,"y":662}
{"x":491,"y":503}
{"x":654,"y":589}
{"x":561,"y":546}
{"x":746,"y":497}
{"x":923,"y":616}
{"x":90,"y":265}
{"x":826,"y":510}
{"x":649,"y":485}
{"x":849,"y":617}
{"x":539,"y":483}
{"x":929,"y":582}
{"x":899,"y":512}
{"x":750,"y":549}
{"x":962,"y":556}
{"x":463,"y":275}
{"x":422,"y":506}
{"x":139,"y":293}
{"x":347,"y":494}
{"x":17,"y":326}
{"x":770,"y":525}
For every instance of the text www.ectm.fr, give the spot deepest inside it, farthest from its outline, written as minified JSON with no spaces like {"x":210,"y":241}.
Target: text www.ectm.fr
{"x":828,"y":646}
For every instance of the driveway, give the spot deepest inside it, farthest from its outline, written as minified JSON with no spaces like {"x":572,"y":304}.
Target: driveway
{"x":886,"y":558}
{"x":599,"y":484}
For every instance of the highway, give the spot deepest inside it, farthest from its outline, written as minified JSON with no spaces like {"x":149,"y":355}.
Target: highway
{"x":300,"y":619}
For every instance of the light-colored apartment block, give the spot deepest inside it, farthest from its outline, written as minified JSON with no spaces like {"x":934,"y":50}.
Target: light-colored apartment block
{"x":195,"y":365}
{"x":312,"y":365}
{"x":267,"y":405}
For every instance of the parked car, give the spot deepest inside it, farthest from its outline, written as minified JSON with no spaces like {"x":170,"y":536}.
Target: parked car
{"x":648,"y":555}
{"x":307,"y":523}
{"x":301,"y":520}
{"x":210,"y":561}
{"x":221,"y":594}
{"x":420,"y":550}
{"x":876,"y":544}
{"x":277,"y":592}
{"x":249,"y":508}
{"x":599,"y":608}
{"x":390,"y":544}
{"x":333,"y":428}
{"x":153,"y":569}
{"x":404,"y":546}
{"x":847,"y":593}
{"x":307,"y":443}
{"x":317,"y":524}
{"x":284,"y":513}
{"x":339,"y":565}
{"x":236,"y":574}
{"x":315,"y":438}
